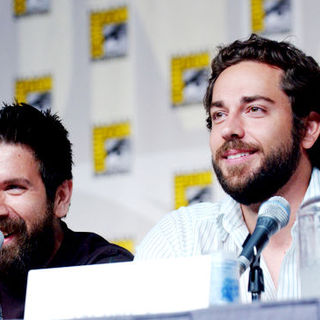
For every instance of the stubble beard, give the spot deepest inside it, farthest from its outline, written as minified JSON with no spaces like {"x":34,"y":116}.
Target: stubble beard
{"x":274,"y":172}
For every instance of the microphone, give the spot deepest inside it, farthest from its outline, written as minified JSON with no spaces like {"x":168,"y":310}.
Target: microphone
{"x":1,"y":239}
{"x":272,"y":216}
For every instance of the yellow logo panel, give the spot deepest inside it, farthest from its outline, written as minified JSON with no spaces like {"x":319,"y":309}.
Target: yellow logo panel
{"x":34,"y":91}
{"x":189,"y":76}
{"x":192,"y":188}
{"x":257,"y":15}
{"x":111,"y":148}
{"x":271,"y":16}
{"x":24,"y":7}
{"x":108,"y":33}
{"x":20,"y":7}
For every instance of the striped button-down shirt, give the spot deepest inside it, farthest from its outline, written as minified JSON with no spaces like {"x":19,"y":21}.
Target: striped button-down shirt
{"x":206,"y":227}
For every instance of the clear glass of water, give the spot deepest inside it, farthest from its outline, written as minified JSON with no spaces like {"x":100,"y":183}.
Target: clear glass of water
{"x":224,"y":279}
{"x":309,"y":248}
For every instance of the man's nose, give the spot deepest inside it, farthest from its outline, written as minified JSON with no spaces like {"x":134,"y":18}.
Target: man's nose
{"x":3,"y":208}
{"x":233,"y":127}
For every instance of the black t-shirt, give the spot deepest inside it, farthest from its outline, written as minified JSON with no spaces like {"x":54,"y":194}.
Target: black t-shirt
{"x":77,"y":248}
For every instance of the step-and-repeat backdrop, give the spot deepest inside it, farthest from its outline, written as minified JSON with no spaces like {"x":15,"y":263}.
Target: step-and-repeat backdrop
{"x":128,"y":79}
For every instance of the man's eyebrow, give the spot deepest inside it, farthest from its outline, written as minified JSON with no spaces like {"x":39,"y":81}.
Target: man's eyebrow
{"x":254,"y":98}
{"x":17,"y":181}
{"x":246,"y":99}
{"x":218,"y":104}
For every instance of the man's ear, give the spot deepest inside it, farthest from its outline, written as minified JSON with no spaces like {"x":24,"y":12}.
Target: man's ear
{"x":312,"y":130}
{"x":62,"y":199}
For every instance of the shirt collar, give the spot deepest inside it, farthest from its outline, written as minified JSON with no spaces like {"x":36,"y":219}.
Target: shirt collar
{"x":231,"y":222}
{"x":314,"y":186}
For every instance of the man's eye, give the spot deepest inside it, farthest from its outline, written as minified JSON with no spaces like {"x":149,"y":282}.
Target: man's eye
{"x":13,"y":188}
{"x":218,"y":116}
{"x":255,"y":109}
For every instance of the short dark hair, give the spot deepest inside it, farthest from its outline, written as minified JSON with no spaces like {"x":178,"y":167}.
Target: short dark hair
{"x":44,"y":133}
{"x":300,"y":81}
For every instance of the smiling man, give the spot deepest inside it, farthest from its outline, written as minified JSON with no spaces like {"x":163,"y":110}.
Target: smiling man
{"x":35,"y":194}
{"x":263,"y":105}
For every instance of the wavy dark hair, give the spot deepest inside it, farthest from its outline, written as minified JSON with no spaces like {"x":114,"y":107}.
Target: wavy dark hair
{"x":300,"y":81}
{"x":45,"y":135}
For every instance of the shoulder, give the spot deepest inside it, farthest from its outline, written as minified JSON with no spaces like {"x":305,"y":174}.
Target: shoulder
{"x":196,"y":212}
{"x":100,"y":249}
{"x":82,"y":248}
{"x":189,"y":217}
{"x":178,"y":232}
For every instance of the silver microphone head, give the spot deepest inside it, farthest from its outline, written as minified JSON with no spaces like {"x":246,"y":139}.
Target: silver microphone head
{"x":277,"y":208}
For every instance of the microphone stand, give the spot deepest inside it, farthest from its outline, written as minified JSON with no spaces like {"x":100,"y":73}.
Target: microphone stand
{"x":256,"y":281}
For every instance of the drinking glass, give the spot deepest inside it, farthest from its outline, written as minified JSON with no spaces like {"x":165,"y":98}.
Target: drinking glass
{"x":309,"y":248}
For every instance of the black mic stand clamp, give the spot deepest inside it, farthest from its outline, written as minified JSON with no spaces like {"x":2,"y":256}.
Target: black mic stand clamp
{"x":256,"y":282}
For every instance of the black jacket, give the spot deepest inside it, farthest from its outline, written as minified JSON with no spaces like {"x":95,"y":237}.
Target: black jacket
{"x":77,"y":248}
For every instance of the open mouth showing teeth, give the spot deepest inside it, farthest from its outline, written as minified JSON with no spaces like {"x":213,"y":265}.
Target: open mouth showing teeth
{"x":237,"y":156}
{"x":6,"y":235}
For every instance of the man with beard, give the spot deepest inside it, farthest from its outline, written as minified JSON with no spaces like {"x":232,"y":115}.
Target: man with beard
{"x":35,"y":194}
{"x":263,"y":105}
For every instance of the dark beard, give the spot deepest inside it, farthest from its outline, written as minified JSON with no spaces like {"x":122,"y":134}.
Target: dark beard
{"x":274,"y":173}
{"x":31,"y":250}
